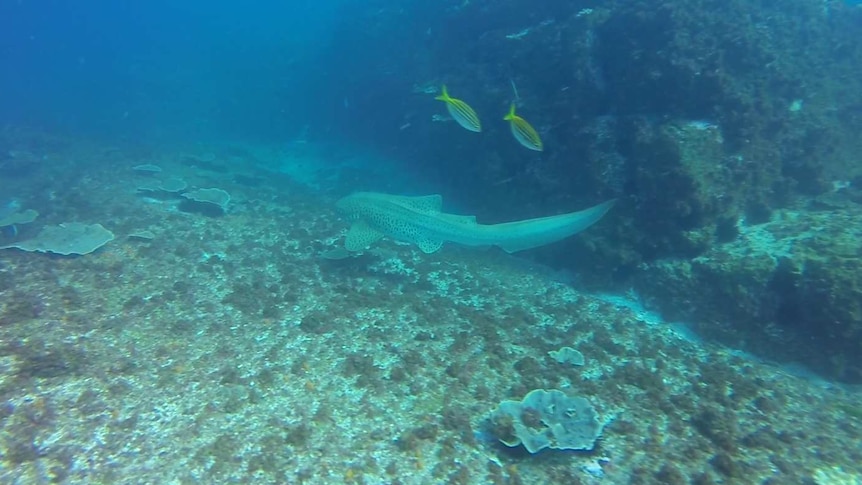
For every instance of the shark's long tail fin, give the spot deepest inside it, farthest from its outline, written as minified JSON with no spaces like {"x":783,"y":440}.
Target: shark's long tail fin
{"x":532,"y":233}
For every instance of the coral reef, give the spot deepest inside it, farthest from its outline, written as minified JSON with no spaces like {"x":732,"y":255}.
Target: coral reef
{"x":547,"y":419}
{"x":66,"y":238}
{"x":699,"y":116}
{"x":791,"y":287}
{"x":228,"y":350}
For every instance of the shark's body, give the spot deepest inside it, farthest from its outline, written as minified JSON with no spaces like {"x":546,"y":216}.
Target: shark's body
{"x":419,"y":220}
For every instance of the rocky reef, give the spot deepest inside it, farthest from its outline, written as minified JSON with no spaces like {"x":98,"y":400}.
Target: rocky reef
{"x":706,"y":119}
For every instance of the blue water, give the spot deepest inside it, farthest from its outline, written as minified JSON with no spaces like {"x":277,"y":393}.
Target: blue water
{"x":164,"y":69}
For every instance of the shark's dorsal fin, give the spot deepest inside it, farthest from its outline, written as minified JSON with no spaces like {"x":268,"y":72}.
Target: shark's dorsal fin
{"x":425,"y":203}
{"x":360,"y":236}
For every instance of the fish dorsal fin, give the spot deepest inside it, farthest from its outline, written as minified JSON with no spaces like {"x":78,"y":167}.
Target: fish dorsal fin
{"x":425,"y":203}
{"x":360,"y":236}
{"x":429,"y":245}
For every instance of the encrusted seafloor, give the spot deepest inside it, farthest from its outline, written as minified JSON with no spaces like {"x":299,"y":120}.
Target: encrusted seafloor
{"x":226,"y":349}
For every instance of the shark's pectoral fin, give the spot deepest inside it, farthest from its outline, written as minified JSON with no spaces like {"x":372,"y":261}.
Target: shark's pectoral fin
{"x":360,"y":236}
{"x":428,"y":245}
{"x":514,"y":248}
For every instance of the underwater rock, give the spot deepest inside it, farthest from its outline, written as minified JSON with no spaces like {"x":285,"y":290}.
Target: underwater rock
{"x":686,"y":186}
{"x":788,"y":290}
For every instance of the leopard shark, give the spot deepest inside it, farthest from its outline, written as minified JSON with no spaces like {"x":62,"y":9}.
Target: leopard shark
{"x":420,"y":220}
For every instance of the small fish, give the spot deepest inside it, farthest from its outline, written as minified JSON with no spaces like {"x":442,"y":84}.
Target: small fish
{"x":461,"y":111}
{"x":524,"y":133}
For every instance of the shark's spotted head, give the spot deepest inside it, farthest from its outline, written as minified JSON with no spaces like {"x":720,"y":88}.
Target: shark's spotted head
{"x":350,"y":206}
{"x":377,"y":215}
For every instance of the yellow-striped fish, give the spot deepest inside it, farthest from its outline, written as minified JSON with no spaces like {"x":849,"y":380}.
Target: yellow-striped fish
{"x":461,"y":112}
{"x":524,"y":133}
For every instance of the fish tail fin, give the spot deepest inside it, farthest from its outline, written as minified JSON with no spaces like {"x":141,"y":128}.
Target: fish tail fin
{"x":511,"y":115}
{"x":444,"y":96}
